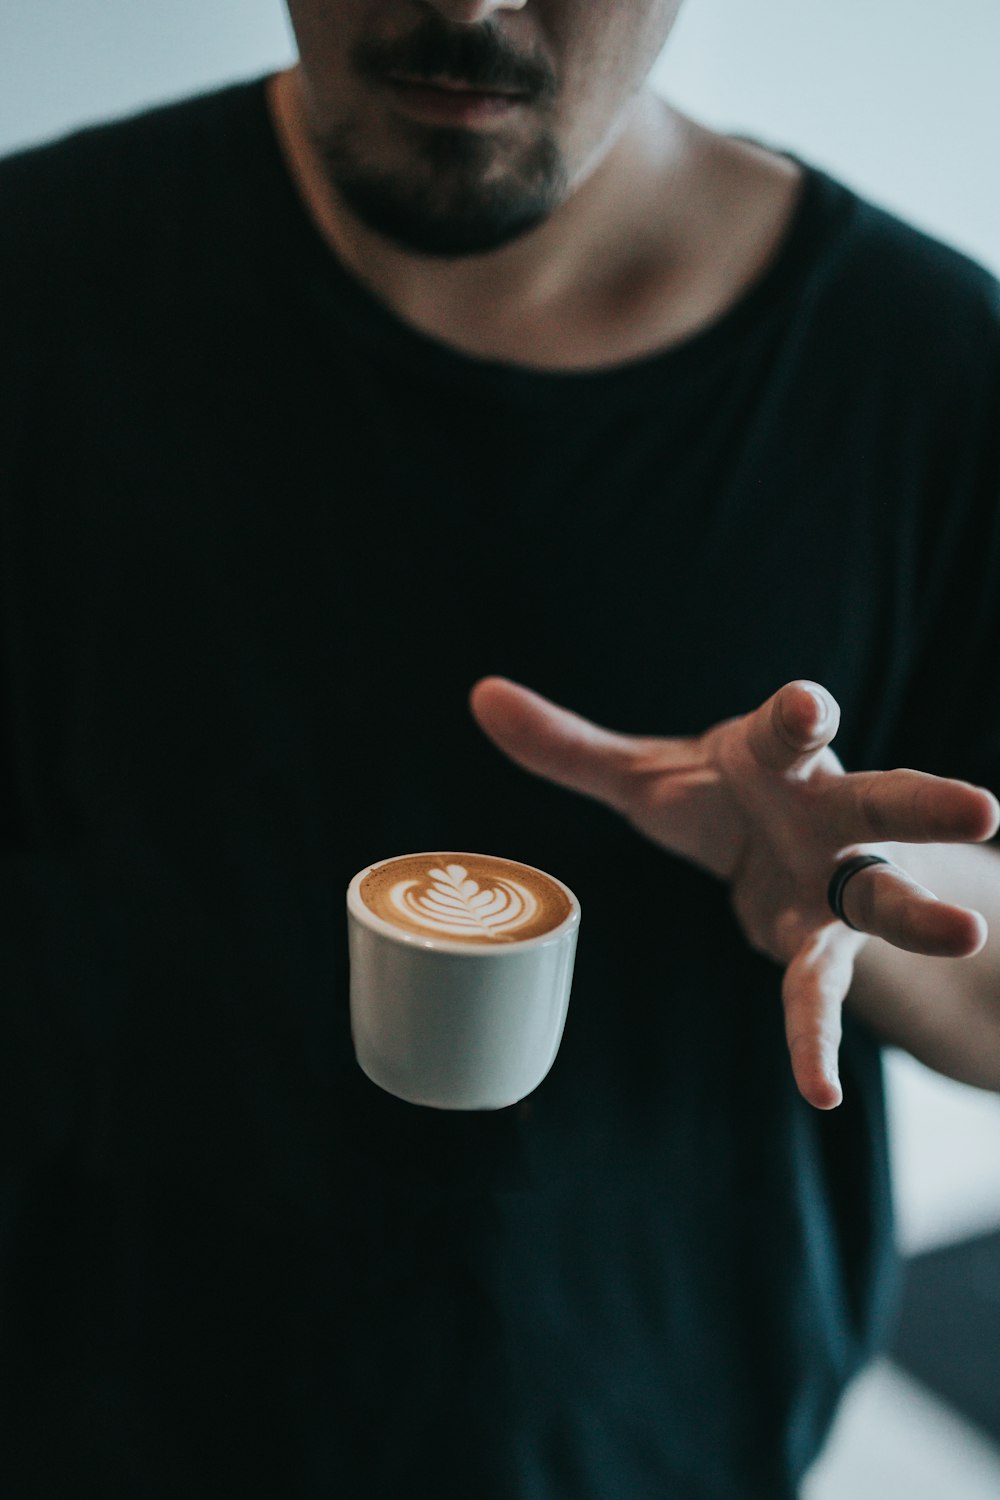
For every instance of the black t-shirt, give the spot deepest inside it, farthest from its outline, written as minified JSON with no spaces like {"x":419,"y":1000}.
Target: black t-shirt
{"x":258,"y":538}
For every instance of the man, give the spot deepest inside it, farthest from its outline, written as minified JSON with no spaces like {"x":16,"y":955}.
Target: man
{"x":454,"y":359}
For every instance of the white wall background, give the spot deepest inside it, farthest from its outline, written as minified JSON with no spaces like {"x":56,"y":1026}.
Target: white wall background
{"x":63,"y":62}
{"x":900,"y":98}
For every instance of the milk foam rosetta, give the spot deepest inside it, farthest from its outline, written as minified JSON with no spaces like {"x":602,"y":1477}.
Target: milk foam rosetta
{"x":465,"y":898}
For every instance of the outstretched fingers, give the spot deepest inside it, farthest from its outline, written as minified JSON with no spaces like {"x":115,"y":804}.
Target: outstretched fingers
{"x":815,"y":986}
{"x":886,"y":902}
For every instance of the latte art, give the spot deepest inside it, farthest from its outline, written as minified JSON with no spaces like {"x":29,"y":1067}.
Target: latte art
{"x":465,"y":897}
{"x":455,"y":904}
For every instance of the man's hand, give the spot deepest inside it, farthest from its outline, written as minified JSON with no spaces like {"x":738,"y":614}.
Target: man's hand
{"x":762,"y":802}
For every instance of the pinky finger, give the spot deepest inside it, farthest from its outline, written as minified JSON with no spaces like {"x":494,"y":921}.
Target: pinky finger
{"x":813,"y":992}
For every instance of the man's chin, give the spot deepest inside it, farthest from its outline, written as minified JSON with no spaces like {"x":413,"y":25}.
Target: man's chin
{"x":455,"y":200}
{"x":461,"y":230}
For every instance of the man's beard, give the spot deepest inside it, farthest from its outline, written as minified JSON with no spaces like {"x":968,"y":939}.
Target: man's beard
{"x":452,"y":194}
{"x":453,"y":202}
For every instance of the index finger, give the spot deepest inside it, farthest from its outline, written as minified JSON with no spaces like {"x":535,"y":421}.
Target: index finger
{"x":911,"y":807}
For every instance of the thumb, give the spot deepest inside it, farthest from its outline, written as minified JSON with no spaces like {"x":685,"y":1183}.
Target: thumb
{"x":554,"y":742}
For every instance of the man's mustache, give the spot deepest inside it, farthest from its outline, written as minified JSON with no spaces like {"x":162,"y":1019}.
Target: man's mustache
{"x":480,"y":57}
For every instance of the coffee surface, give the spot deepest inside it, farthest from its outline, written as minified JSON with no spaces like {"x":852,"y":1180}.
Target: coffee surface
{"x":465,"y":898}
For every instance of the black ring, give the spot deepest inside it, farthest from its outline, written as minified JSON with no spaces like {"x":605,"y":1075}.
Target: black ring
{"x":841,"y":875}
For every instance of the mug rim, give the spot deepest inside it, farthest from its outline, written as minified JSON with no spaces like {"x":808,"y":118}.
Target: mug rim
{"x":367,"y":918}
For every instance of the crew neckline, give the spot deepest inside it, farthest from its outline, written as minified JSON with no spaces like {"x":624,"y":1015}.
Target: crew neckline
{"x":821,"y":205}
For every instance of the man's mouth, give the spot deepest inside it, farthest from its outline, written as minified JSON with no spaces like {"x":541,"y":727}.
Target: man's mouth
{"x":453,"y":101}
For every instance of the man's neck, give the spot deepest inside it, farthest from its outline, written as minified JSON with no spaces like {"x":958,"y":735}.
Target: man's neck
{"x":629,"y":263}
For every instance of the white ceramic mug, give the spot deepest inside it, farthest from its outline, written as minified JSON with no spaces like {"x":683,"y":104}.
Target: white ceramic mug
{"x":451,"y":1024}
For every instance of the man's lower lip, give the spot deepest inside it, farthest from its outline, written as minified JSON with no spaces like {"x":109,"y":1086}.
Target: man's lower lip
{"x":453,"y":106}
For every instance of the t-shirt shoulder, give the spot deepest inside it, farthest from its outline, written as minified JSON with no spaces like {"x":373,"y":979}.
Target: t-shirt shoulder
{"x":97,"y":195}
{"x":924,"y":297}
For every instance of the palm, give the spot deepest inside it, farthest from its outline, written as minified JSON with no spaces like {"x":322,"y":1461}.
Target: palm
{"x":683,"y":800}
